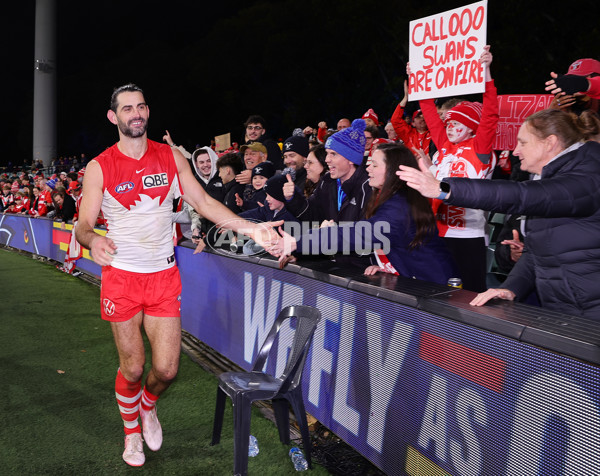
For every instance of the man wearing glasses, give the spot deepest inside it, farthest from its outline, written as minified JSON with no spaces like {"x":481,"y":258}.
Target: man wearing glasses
{"x":255,"y":132}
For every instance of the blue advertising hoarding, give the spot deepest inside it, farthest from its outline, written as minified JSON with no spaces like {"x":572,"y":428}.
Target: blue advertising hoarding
{"x":414,"y":392}
{"x":408,"y":389}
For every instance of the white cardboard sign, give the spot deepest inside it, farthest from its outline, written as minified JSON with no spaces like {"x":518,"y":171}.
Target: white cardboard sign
{"x":444,"y":51}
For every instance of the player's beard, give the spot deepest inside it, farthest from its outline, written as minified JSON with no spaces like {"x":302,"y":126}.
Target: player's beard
{"x":131,"y":132}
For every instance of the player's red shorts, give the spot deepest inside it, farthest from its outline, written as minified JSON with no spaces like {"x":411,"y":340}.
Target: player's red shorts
{"x":124,"y":293}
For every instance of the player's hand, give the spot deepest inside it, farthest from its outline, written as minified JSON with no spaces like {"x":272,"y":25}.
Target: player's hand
{"x":264,"y":234}
{"x":284,"y":246}
{"x":103,"y":250}
{"x":492,"y":293}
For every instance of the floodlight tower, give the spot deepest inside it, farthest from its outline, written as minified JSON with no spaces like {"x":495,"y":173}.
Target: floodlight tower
{"x":44,"y":84}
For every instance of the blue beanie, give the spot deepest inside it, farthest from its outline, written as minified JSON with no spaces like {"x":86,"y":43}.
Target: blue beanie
{"x":349,"y":142}
{"x":51,"y":183}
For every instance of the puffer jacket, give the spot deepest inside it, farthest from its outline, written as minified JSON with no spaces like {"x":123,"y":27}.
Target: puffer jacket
{"x":562,"y":244}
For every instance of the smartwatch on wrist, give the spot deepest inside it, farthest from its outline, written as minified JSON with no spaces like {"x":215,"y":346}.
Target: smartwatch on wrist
{"x":444,"y":190}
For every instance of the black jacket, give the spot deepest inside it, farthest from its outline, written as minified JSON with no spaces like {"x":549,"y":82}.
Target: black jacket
{"x":229,"y":191}
{"x":323,"y":203}
{"x":67,"y":211}
{"x":214,"y":187}
{"x":561,"y":259}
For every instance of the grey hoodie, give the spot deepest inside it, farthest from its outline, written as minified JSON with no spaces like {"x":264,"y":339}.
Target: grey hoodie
{"x":213,"y":163}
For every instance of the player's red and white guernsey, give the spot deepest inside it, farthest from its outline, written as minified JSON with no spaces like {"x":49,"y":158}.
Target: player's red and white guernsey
{"x":138,"y":207}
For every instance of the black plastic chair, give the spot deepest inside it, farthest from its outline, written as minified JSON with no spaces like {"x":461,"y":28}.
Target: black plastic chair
{"x":246,"y":387}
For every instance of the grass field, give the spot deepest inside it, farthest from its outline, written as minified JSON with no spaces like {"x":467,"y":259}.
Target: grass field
{"x":57,"y":408}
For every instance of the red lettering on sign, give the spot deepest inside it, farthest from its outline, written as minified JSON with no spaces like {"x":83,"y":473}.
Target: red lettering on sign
{"x":419,"y":81}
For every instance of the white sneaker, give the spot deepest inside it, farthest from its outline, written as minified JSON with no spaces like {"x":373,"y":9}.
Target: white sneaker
{"x":134,"y":450}
{"x":152,"y":429}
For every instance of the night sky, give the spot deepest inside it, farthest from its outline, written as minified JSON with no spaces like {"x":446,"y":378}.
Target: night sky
{"x":206,"y":67}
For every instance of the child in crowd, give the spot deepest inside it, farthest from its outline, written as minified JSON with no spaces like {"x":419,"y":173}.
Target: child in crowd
{"x":274,"y":207}
{"x":464,"y":142}
{"x":21,"y":202}
{"x":256,"y":198}
{"x":8,"y":197}
{"x":273,"y":210}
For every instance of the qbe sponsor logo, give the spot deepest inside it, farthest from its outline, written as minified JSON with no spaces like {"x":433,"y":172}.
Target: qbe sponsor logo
{"x":155,"y":180}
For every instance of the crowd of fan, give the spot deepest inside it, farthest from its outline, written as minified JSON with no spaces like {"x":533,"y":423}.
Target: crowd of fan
{"x":325,"y":176}
{"x":36,"y":195}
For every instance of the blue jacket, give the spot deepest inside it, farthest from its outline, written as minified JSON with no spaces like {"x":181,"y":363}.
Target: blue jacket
{"x":393,"y":225}
{"x":561,"y":259}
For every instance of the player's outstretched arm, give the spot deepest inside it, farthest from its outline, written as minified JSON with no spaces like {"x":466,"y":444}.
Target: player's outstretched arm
{"x":215,"y":211}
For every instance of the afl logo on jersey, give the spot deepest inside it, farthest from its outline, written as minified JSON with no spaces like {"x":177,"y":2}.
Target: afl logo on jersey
{"x":155,"y":180}
{"x":124,"y":187}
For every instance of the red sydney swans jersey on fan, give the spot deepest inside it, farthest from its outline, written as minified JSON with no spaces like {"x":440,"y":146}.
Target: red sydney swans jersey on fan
{"x":138,"y":207}
{"x":463,"y":160}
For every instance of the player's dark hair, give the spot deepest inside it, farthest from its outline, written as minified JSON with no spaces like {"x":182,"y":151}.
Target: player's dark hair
{"x":126,"y":88}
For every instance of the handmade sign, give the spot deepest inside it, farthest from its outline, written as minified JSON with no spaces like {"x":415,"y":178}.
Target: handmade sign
{"x":444,"y":51}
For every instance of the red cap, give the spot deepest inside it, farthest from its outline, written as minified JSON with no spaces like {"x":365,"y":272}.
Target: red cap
{"x":584,"y":67}
{"x":416,"y":113}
